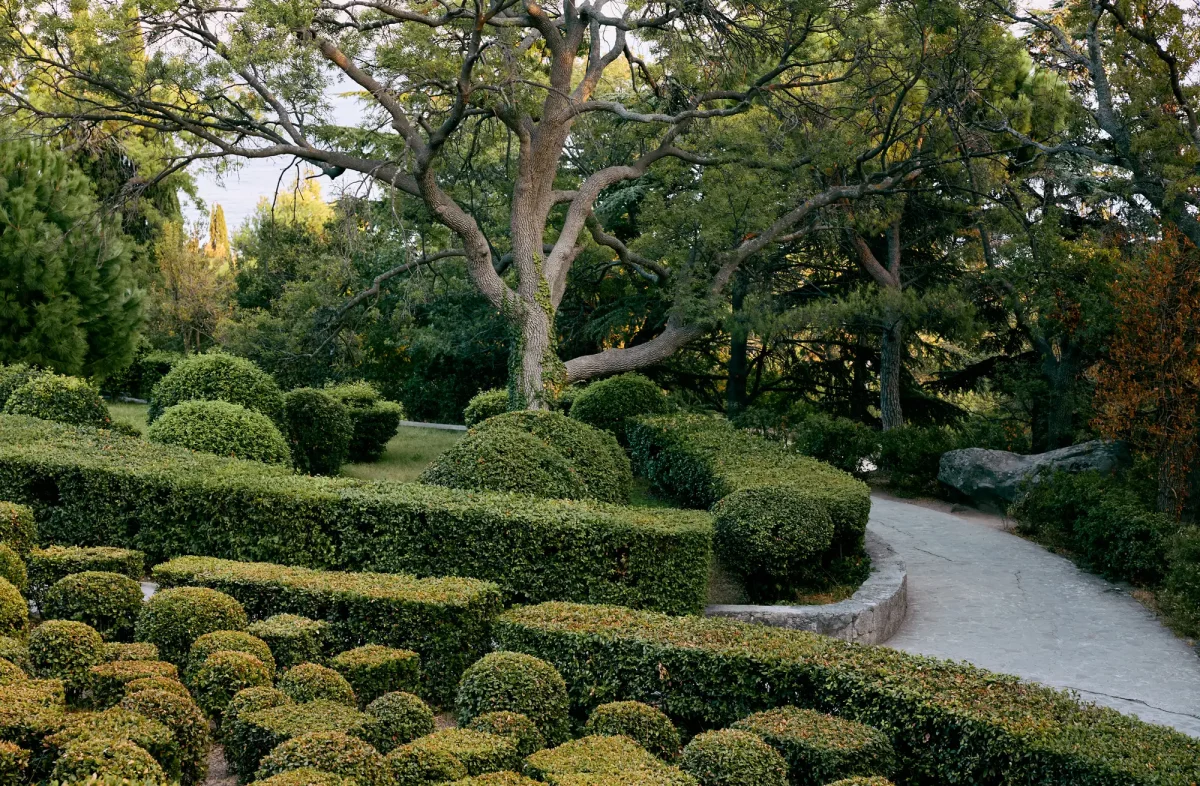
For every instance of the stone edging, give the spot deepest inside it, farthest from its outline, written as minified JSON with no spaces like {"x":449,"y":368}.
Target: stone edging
{"x":870,"y":616}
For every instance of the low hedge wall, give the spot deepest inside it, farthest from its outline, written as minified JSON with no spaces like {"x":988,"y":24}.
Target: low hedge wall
{"x":949,"y":723}
{"x":95,"y":487}
{"x":445,"y":621}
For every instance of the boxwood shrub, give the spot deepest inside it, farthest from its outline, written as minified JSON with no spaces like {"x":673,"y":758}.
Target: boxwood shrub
{"x":309,"y":682}
{"x":947,"y":722}
{"x":318,"y":431}
{"x":508,"y":459}
{"x":221,"y":428}
{"x":249,"y":700}
{"x":231,"y":640}
{"x":518,"y":728}
{"x":327,"y":751}
{"x":485,"y":404}
{"x":515,"y":682}
{"x":64,"y":650}
{"x":820,"y":748}
{"x":373,"y":670}
{"x":609,"y":403}
{"x":17,"y":527}
{"x":496,"y":779}
{"x":727,"y":757}
{"x":399,"y":718}
{"x":106,"y":681}
{"x":136,"y":650}
{"x":185,"y":720}
{"x":109,"y":602}
{"x":167,"y":684}
{"x":12,"y":568}
{"x":175,"y":617}
{"x":293,"y":639}
{"x":120,"y":724}
{"x":478,"y":751}
{"x":13,"y":376}
{"x":49,"y":565}
{"x":222,"y":675}
{"x":63,"y":399}
{"x":11,"y":672}
{"x":645,"y":725}
{"x":118,"y":759}
{"x":873,"y":780}
{"x":373,"y":420}
{"x":217,"y":377}
{"x":14,"y":611}
{"x":600,"y":756}
{"x":90,"y":487}
{"x":31,"y":710}
{"x":409,"y":765}
{"x":256,"y":733}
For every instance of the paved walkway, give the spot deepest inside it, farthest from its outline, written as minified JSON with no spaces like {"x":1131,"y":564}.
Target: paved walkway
{"x":980,"y":594}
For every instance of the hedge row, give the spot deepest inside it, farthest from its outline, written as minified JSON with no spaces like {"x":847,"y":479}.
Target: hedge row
{"x":445,"y":621}
{"x":948,"y":723}
{"x":93,"y":487}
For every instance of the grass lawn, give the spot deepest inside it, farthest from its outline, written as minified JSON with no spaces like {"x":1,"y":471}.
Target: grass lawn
{"x":408,"y":453}
{"x":130,"y":414}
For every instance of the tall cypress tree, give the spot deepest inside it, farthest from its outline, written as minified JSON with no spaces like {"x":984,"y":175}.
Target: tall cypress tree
{"x":67,"y":300}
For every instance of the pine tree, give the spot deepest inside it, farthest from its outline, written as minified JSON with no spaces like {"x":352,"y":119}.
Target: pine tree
{"x":66,"y":297}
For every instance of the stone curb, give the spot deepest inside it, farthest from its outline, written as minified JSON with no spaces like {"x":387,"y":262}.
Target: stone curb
{"x":871,"y":616}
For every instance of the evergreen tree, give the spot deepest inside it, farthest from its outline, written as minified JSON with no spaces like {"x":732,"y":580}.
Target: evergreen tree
{"x":66,"y":297}
{"x":218,"y":234}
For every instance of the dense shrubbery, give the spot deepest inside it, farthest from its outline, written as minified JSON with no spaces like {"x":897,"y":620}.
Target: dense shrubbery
{"x":912,"y":454}
{"x":13,"y":376}
{"x":1181,"y":590}
{"x":844,"y":443}
{"x":217,"y":377}
{"x":222,"y":675}
{"x":609,"y":403}
{"x":135,"y":493}
{"x":821,"y":748}
{"x":399,"y":718}
{"x":221,"y":428}
{"x":118,"y":759}
{"x":17,"y":527}
{"x":518,"y":728}
{"x":256,"y":732}
{"x":373,"y":670}
{"x":515,"y":682}
{"x":478,"y":751}
{"x":373,"y":420}
{"x":231,"y":641}
{"x":728,"y":757}
{"x":318,"y":430}
{"x":120,"y":724}
{"x":12,"y":568}
{"x":185,"y":720}
{"x":645,"y":725}
{"x":174,"y":618}
{"x":327,"y":751}
{"x":53,"y":563}
{"x":107,"y":683}
{"x":109,"y":602}
{"x":65,"y":650}
{"x":14,"y":611}
{"x":310,"y":682}
{"x":293,"y":639}
{"x":484,"y":405}
{"x":64,"y":399}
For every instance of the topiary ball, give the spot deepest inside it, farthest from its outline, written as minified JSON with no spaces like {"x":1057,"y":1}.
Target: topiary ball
{"x":374,"y":420}
{"x":65,"y":650}
{"x":185,"y":720}
{"x":217,"y":377}
{"x":231,"y":641}
{"x":327,"y":751}
{"x":645,"y":725}
{"x":400,"y":718}
{"x":107,"y":758}
{"x":12,"y":568}
{"x":505,"y":459}
{"x":733,"y":758}
{"x":411,"y":766}
{"x":607,"y":404}
{"x":485,"y":404}
{"x":518,"y":728}
{"x":222,"y":675}
{"x":14,"y":611}
{"x":109,"y":602}
{"x":250,"y":700}
{"x":64,"y":399}
{"x":373,"y":670}
{"x":17,"y":527}
{"x":293,"y":639}
{"x":174,"y":618}
{"x":221,"y":428}
{"x":107,"y":681}
{"x":318,"y":429}
{"x":515,"y":682}
{"x":309,"y":682}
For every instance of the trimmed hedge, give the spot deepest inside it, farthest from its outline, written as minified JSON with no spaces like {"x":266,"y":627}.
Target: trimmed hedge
{"x":17,"y":527}
{"x":13,"y":376}
{"x":478,"y":751}
{"x":947,"y":722}
{"x":229,"y":640}
{"x":11,"y":672}
{"x":106,"y":682}
{"x":176,"y":616}
{"x":327,"y":751}
{"x":221,"y":428}
{"x":165,"y":684}
{"x":485,"y":404}
{"x":109,"y":602}
{"x":217,"y":377}
{"x":68,"y":400}
{"x":53,"y":563}
{"x":514,"y":682}
{"x":246,"y":701}
{"x":16,"y":652}
{"x":409,"y":766}
{"x":610,"y":403}
{"x":256,"y":733}
{"x":400,"y":718}
{"x":91,"y":487}
{"x":446,"y":621}
{"x":373,"y":420}
{"x":728,"y":757}
{"x":600,"y":755}
{"x":30,"y":711}
{"x":309,"y":682}
{"x":373,"y":670}
{"x":307,"y":776}
{"x":496,"y":779}
{"x":293,"y":639}
{"x":318,"y":430}
{"x":505,"y":459}
{"x":645,"y":725}
{"x":820,"y":748}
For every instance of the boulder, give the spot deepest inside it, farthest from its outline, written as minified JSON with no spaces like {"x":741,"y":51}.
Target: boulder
{"x":994,"y":478}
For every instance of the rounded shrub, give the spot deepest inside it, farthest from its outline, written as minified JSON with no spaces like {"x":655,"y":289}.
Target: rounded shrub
{"x":318,"y":429}
{"x":400,"y":718}
{"x":15,"y":651}
{"x":328,"y":751}
{"x":66,"y":650}
{"x":109,"y":602}
{"x":645,"y":725}
{"x":293,"y":639}
{"x":373,"y":420}
{"x":231,"y":641}
{"x":221,"y":428}
{"x":607,"y":404}
{"x":518,"y":728}
{"x":373,"y":670}
{"x":771,"y":537}
{"x":17,"y":527}
{"x":64,"y":399}
{"x":515,"y":682}
{"x":217,"y":377}
{"x":12,"y":568}
{"x":119,"y":724}
{"x":50,"y":564}
{"x":185,"y":720}
{"x":107,"y":681}
{"x":505,"y":459}
{"x":479,"y":752}
{"x":250,"y":700}
{"x":137,"y":650}
{"x":820,"y":748}
{"x":14,"y":611}
{"x":485,"y":404}
{"x":13,"y":376}
{"x":11,"y":672}
{"x":174,"y":618}
{"x":107,"y":758}
{"x":733,"y":758}
{"x":507,"y":779}
{"x":307,"y":776}
{"x":168,"y":684}
{"x":222,"y":675}
{"x":409,"y":765}
{"x":309,"y":682}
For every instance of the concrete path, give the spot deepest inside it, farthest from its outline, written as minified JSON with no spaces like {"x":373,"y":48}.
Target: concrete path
{"x":981,"y":594}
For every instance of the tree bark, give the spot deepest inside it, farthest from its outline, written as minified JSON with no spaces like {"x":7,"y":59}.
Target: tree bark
{"x":891,"y":365}
{"x":737,"y":367}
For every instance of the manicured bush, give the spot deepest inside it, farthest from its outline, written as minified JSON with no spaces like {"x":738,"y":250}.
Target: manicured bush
{"x":307,"y":776}
{"x":63,"y":399}
{"x":106,"y":681}
{"x":373,"y":670}
{"x":118,"y":759}
{"x":412,"y":766}
{"x":49,"y":565}
{"x":119,"y":724}
{"x":232,"y":641}
{"x":17,"y":527}
{"x":728,"y":757}
{"x":222,"y":675}
{"x":309,"y":682}
{"x":518,"y":728}
{"x":609,"y":403}
{"x":505,"y":459}
{"x":250,"y":700}
{"x":318,"y":431}
{"x":185,"y":720}
{"x":444,"y":620}
{"x":217,"y":377}
{"x":293,"y":639}
{"x":11,"y":672}
{"x":645,"y":725}
{"x":174,"y":618}
{"x":15,"y":651}
{"x":600,"y":756}
{"x":374,"y":421}
{"x":515,"y":682}
{"x":949,"y":722}
{"x":13,"y":376}
{"x":109,"y":602}
{"x":327,"y":751}
{"x":221,"y":428}
{"x":167,"y":684}
{"x":820,"y":748}
{"x":841,"y":442}
{"x":137,"y":650}
{"x":14,"y":760}
{"x":485,"y":404}
{"x":12,"y":568}
{"x":496,"y":779}
{"x":14,"y":611}
{"x":257,"y":733}
{"x":400,"y":718}
{"x":64,"y":650}
{"x":1181,"y":590}
{"x":90,"y":487}
{"x":913,"y":454}
{"x":479,"y":752}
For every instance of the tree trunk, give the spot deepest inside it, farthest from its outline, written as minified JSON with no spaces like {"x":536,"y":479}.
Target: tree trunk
{"x":1059,"y":412}
{"x":891,"y":364}
{"x":536,"y":375}
{"x":737,"y":367}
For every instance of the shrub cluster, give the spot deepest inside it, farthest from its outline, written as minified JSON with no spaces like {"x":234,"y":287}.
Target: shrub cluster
{"x":89,"y":487}
{"x":1181,"y":590}
{"x":249,"y":700}
{"x":12,"y":568}
{"x":14,"y":760}
{"x":728,"y":757}
{"x":138,"y":650}
{"x":16,"y":652}
{"x":107,"y":683}
{"x":175,"y":617}
{"x":49,"y":565}
{"x":913,"y":455}
{"x":307,"y":776}
{"x":610,"y":403}
{"x":13,"y":376}
{"x":949,"y":722}
{"x":645,"y":725}
{"x":398,"y":719}
{"x":30,"y":710}
{"x":842,"y":442}
{"x":121,"y":760}
{"x":255,"y":733}
{"x":185,"y":720}
{"x":318,"y":431}
{"x":326,"y":751}
{"x":221,"y":428}
{"x":444,"y":620}
{"x":515,"y":682}
{"x":64,"y":399}
{"x":373,"y":420}
{"x":14,"y":611}
{"x":604,"y":756}
{"x":118,"y":724}
{"x":373,"y":670}
{"x":410,"y":765}
{"x":292,"y":639}
{"x":109,"y":602}
{"x":217,"y":377}
{"x":485,"y":404}
{"x":222,"y":675}
{"x":310,"y":682}
{"x":230,"y":641}
{"x":820,"y":748}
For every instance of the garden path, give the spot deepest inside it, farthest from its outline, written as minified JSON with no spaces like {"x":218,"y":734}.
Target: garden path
{"x":979,"y":593}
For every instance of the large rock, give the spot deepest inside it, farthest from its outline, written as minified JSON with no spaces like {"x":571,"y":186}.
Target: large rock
{"x":994,"y":478}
